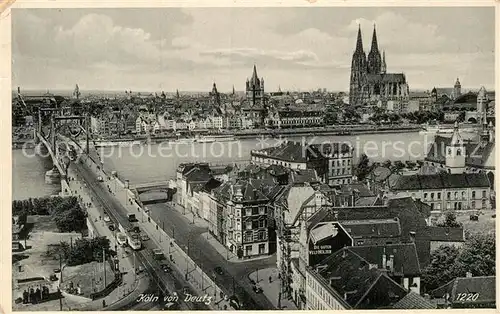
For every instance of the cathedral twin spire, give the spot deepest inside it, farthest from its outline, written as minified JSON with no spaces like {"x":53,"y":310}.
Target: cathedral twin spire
{"x":375,"y":62}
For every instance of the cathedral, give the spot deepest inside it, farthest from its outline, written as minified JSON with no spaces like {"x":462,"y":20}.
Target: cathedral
{"x":369,"y":78}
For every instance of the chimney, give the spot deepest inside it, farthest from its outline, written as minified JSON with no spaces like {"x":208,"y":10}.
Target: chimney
{"x":414,"y":288}
{"x":238,"y":195}
{"x":412,"y":236}
{"x":390,"y":263}
{"x":384,"y":260}
{"x":255,"y":196}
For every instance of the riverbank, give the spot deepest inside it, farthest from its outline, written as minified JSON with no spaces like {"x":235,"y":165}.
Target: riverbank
{"x":225,"y":135}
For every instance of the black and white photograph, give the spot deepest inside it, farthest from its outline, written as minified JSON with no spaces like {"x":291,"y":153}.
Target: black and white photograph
{"x":239,"y":157}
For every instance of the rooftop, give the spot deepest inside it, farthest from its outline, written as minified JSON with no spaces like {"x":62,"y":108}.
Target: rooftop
{"x":442,"y":181}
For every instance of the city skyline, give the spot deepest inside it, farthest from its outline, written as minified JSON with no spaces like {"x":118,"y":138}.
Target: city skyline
{"x":294,"y":48}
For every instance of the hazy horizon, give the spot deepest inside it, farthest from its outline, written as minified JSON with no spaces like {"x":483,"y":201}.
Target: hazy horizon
{"x":295,"y":48}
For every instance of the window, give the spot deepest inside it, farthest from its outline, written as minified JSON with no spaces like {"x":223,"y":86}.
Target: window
{"x":248,"y":237}
{"x":262,"y":210}
{"x":473,"y":194}
{"x":248,"y":211}
{"x":425,"y":195}
{"x":432,"y":196}
{"x":248,"y":225}
{"x":483,"y":204}
{"x":348,"y":162}
{"x":484,"y":194}
{"x":459,"y":152}
{"x":439,"y":196}
{"x":343,"y":162}
{"x":473,"y":204}
{"x":449,"y":195}
{"x":456,"y":195}
{"x":463,"y":195}
{"x":262,"y":223}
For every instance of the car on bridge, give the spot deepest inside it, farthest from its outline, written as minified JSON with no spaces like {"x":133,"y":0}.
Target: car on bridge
{"x":158,"y":254}
{"x":166,"y":268}
{"x":219,"y":270}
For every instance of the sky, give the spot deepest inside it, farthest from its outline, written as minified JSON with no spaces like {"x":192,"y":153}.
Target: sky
{"x":155,"y":49}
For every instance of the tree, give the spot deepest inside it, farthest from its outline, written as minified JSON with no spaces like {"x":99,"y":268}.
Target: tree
{"x":441,"y":268}
{"x":448,"y":262}
{"x":363,"y":168}
{"x":86,"y":250}
{"x":478,"y":255}
{"x":71,"y":220}
{"x":450,"y":221}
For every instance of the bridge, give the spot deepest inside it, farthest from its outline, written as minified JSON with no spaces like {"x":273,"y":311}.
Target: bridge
{"x":151,"y":186}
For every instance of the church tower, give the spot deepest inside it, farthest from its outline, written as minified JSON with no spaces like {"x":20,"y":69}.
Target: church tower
{"x":374,"y":58}
{"x":215,"y":96}
{"x":455,"y":153}
{"x":255,"y":88}
{"x":457,"y":89}
{"x":482,"y":101}
{"x":358,"y":71}
{"x":434,"y":94}
{"x":485,"y":132}
{"x":383,"y":70}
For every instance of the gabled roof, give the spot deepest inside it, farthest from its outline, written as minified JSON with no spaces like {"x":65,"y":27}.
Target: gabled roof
{"x":484,"y":287}
{"x":198,"y":174}
{"x":442,"y":181}
{"x":303,"y":176}
{"x":441,"y":234}
{"x":411,"y":216}
{"x":405,"y":257}
{"x":357,"y":187}
{"x":372,"y":228}
{"x":363,"y":287}
{"x":413,"y":301}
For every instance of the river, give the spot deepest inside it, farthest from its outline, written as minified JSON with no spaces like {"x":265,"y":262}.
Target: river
{"x":28,"y":175}
{"x":159,"y":161}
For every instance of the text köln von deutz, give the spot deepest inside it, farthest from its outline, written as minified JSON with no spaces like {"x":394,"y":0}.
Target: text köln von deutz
{"x":206,"y":299}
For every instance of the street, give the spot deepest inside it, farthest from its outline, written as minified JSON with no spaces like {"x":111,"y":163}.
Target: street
{"x":189,"y":235}
{"x":169,"y":282}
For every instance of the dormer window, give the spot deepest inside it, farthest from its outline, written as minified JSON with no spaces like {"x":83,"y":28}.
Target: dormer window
{"x":459,"y":152}
{"x":449,"y":151}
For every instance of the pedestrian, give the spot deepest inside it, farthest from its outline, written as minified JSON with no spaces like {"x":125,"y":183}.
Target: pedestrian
{"x":270,"y":279}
